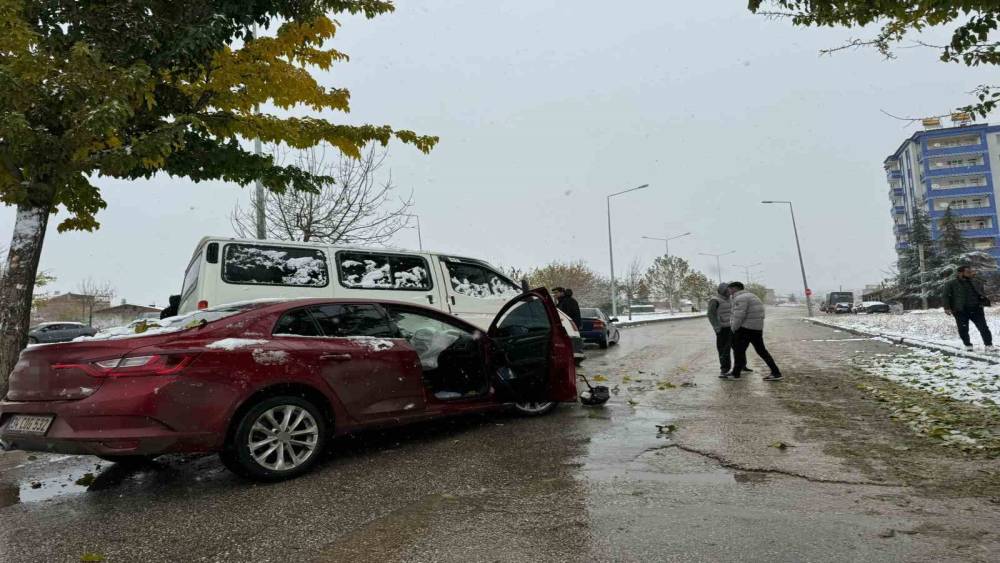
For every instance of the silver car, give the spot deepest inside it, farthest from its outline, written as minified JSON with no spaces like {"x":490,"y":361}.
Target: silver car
{"x":47,"y":333}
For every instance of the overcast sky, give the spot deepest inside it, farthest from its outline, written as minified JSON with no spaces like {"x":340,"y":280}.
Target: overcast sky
{"x":543,"y":108}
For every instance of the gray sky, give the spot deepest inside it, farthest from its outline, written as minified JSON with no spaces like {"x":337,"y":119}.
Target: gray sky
{"x":543,"y":108}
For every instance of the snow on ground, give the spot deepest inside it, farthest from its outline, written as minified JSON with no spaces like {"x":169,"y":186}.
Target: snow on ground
{"x":933,"y":326}
{"x":960,"y":378}
{"x":623,"y":319}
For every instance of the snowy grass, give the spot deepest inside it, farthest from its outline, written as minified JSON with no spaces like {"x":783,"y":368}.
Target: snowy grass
{"x":933,"y":326}
{"x":959,"y":378}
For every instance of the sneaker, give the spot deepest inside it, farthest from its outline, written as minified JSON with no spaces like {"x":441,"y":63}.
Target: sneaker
{"x":969,"y":348}
{"x":724,"y":375}
{"x":774,"y":377}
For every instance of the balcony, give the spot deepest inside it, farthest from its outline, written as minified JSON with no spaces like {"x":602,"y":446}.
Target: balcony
{"x":902,"y":245}
{"x":956,"y":164}
{"x":901,"y":229}
{"x":899,"y":210}
{"x":894,"y":175}
{"x":953,"y":145}
{"x":963,"y":211}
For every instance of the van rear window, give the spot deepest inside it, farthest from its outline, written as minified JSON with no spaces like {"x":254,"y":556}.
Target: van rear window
{"x":368,"y":270}
{"x":274,"y":265}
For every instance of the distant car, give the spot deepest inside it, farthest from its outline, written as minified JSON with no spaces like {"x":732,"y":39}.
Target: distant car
{"x":841,"y":308}
{"x":872,"y":307}
{"x":598,"y":328}
{"x":48,"y":333}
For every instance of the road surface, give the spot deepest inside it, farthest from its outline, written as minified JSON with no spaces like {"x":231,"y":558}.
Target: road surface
{"x":583,"y":484}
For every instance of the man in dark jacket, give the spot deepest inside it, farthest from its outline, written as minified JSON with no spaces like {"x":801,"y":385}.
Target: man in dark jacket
{"x":964,"y":298}
{"x":567,"y":304}
{"x":720,"y":310}
{"x":171,"y":310}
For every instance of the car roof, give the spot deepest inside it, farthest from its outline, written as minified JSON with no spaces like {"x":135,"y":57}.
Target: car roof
{"x":50,"y":323}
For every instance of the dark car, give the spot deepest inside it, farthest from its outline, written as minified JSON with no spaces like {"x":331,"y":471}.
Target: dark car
{"x":841,"y":308}
{"x":267,"y":384}
{"x":872,"y":307}
{"x":598,"y":328}
{"x":48,"y":333}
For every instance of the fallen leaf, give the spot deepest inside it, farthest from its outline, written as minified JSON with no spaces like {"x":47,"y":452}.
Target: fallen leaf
{"x":599,"y":378}
{"x":86,"y":481}
{"x":91,"y":557}
{"x":782,"y":445}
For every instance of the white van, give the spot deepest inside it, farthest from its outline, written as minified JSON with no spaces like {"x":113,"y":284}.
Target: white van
{"x":227,"y":270}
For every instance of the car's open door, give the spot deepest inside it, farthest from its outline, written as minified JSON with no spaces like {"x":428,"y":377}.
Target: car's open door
{"x":535,"y":353}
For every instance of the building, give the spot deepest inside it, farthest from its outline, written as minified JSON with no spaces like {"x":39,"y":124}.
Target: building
{"x":942,"y":167}
{"x":67,"y":307}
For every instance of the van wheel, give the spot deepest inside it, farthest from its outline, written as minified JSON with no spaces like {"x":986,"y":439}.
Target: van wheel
{"x":278,"y":438}
{"x":534,"y":408}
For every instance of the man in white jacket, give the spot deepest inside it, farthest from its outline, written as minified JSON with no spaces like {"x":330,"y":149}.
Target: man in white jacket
{"x":747,"y":324}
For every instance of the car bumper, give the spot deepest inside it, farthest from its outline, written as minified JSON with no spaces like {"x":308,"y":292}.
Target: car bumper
{"x":108,"y":424}
{"x":593,"y":336}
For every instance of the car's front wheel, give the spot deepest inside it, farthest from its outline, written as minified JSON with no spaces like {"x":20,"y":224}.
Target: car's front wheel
{"x":278,"y":438}
{"x":534,"y":408}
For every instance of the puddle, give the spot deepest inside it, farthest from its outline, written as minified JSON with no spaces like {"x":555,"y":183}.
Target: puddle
{"x":61,"y":484}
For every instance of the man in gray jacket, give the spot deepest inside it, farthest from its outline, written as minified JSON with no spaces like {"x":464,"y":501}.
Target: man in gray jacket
{"x":747,"y":324}
{"x":719,"y":312}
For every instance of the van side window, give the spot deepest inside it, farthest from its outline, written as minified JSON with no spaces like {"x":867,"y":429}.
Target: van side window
{"x":274,"y":265}
{"x":297,"y":323}
{"x":367,"y":270}
{"x":340,"y":321}
{"x":476,"y":281}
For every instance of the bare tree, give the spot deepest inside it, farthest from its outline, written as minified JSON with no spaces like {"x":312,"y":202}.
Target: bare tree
{"x":633,"y":282}
{"x":94,"y":294}
{"x":352,"y":206}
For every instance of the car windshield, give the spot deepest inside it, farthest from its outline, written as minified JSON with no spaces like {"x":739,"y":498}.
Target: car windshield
{"x":590,"y":313}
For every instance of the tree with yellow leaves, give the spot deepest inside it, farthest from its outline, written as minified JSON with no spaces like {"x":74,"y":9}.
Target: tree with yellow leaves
{"x":132,"y":89}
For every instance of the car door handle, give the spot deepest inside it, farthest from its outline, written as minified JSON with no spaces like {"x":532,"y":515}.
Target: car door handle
{"x":452,"y":299}
{"x":336,"y":357}
{"x":430,"y":299}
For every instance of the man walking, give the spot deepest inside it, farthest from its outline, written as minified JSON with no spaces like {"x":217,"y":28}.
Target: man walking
{"x":747,"y":324}
{"x":719,"y":312}
{"x":964,"y":298}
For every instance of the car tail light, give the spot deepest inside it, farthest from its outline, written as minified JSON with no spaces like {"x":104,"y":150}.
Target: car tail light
{"x":598,"y":325}
{"x":157,"y":364}
{"x":203,"y":304}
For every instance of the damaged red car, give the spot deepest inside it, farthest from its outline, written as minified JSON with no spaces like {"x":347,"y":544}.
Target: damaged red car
{"x":267,"y":384}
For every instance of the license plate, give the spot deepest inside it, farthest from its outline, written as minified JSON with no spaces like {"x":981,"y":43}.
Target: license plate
{"x":24,"y":424}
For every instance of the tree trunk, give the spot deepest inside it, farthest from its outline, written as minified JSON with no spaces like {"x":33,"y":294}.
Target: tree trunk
{"x":18,"y":284}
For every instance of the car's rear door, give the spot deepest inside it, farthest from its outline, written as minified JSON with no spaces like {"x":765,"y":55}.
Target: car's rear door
{"x":374,"y":375}
{"x":536,"y":353}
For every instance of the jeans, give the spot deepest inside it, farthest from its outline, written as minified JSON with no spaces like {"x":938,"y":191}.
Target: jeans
{"x":724,"y":344}
{"x":962,"y":318}
{"x":742,"y":339}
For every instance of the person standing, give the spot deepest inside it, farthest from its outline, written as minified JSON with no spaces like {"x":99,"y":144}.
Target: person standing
{"x":747,"y":324}
{"x":719,"y":312}
{"x":964,"y":298}
{"x":171,"y":310}
{"x":567,"y":304}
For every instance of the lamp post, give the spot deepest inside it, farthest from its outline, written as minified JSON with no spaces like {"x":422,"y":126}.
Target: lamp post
{"x":802,"y":266}
{"x":420,"y":237}
{"x":666,"y":241}
{"x":611,"y":251}
{"x":746,"y":268}
{"x":718,"y":263}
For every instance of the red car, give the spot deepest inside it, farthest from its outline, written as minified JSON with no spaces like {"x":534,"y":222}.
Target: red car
{"x":266,"y":384}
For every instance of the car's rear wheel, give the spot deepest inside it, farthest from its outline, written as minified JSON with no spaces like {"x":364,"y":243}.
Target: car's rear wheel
{"x":278,"y":438}
{"x":129,"y":459}
{"x":534,"y":408}
{"x":618,"y":336}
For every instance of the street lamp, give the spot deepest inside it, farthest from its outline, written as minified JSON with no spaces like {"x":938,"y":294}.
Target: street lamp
{"x":718,"y":263}
{"x":666,"y":241}
{"x":611,"y":251}
{"x":795,"y":229}
{"x":420,"y":237}
{"x":747,"y":267}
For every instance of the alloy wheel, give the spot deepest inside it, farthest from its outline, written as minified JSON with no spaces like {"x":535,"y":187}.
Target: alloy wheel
{"x":283,"y":438}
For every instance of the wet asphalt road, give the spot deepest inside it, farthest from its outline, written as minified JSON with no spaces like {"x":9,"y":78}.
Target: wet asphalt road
{"x":582,"y":484}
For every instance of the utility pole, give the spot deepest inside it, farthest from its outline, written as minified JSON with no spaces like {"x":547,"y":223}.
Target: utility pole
{"x":666,"y":241}
{"x":611,"y":251}
{"x":261,"y":195}
{"x":718,"y":262}
{"x":802,"y":265}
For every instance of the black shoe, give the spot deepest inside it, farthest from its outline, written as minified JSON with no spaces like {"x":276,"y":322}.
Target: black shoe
{"x":734,"y":375}
{"x":748,"y":370}
{"x":774,"y":377}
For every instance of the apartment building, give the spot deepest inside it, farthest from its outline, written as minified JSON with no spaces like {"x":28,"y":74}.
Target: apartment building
{"x":942,"y":167}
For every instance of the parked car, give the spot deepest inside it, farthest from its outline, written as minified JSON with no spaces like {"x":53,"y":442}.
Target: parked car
{"x":872,"y":307}
{"x":48,"y":333}
{"x":598,"y":328}
{"x":842,"y":307}
{"x":226,"y":270}
{"x":267,"y":384}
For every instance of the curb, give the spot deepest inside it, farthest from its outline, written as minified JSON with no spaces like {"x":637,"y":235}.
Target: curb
{"x":913,"y":342}
{"x":630,"y":324}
